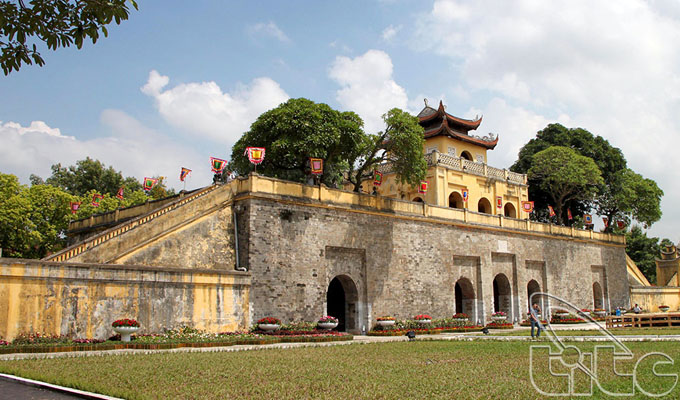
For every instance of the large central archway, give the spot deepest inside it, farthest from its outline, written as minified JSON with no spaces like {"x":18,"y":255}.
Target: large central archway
{"x":455,"y":200}
{"x":341,"y":302}
{"x":484,"y":206}
{"x":465,"y":298}
{"x":502,"y":295}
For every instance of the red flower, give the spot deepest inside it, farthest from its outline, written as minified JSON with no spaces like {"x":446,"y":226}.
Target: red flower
{"x":125,"y":322}
{"x":269,"y":320}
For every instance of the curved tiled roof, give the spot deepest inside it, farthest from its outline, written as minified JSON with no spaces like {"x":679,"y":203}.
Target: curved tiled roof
{"x":452,"y":126}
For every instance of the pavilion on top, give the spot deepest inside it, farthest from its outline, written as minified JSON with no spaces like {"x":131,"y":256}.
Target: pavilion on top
{"x":458,"y":175}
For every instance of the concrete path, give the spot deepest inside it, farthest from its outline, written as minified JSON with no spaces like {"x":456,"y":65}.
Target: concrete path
{"x":14,"y":387}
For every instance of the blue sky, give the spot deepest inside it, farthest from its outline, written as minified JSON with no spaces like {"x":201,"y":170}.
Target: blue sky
{"x":180,"y":81}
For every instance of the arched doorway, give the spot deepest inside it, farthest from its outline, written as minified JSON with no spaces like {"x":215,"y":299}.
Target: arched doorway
{"x":509,"y":210}
{"x":341,"y":302}
{"x":484,"y":206}
{"x":417,"y":200}
{"x":533,"y":287}
{"x":465,"y":298}
{"x":466,"y":155}
{"x":598,"y":299}
{"x":502,"y":295}
{"x":455,"y":200}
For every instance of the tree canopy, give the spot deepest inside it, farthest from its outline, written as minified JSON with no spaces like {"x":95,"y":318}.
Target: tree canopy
{"x":34,"y":219}
{"x":299,"y":129}
{"x":565,"y":175}
{"x":622,"y":196}
{"x":54,"y":23}
{"x":87,"y":175}
{"x":401,"y":144}
{"x":644,"y":251}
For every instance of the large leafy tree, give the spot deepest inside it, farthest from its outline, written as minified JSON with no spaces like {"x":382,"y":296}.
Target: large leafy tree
{"x":400,"y":144}
{"x":565,"y":176}
{"x":27,"y":25}
{"x":624,"y":195}
{"x":627,"y":195}
{"x":87,"y":175}
{"x":32,"y":219}
{"x":293,"y":132}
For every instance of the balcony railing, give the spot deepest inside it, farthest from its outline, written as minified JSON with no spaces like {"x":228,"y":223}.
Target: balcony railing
{"x":471,"y":167}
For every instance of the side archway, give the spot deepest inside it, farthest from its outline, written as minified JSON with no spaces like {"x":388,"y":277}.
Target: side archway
{"x":417,"y":199}
{"x":455,"y":200}
{"x":598,"y":298}
{"x":466,"y":155}
{"x":509,"y":210}
{"x":342,"y":300}
{"x":484,"y":206}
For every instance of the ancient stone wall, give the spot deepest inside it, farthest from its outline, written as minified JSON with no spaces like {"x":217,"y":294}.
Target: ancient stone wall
{"x":403,"y":266}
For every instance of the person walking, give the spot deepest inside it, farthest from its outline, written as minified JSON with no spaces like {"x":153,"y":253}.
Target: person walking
{"x":535,"y":319}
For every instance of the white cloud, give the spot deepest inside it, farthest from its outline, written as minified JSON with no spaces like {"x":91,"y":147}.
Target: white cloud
{"x":203,"y":109}
{"x":269,"y":29}
{"x":390,"y":32}
{"x":612,"y":67}
{"x":367,"y":87}
{"x":131,"y":148}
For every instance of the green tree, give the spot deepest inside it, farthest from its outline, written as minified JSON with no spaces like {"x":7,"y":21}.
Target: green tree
{"x":565,"y":175}
{"x":54,"y":23}
{"x":293,"y":132}
{"x":625,"y":195}
{"x":400,"y":144}
{"x":644,"y":251}
{"x":32,"y":220}
{"x":87,"y":175}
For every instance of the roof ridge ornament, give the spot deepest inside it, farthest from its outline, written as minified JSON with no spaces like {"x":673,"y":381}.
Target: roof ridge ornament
{"x":425,"y":100}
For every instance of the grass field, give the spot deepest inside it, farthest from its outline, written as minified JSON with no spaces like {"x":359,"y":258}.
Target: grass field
{"x":403,"y":370}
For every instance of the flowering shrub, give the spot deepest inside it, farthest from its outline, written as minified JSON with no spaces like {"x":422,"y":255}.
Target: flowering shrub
{"x":125,"y":322}
{"x":599,"y":310}
{"x":328,"y":318}
{"x":269,"y":320}
{"x":421,"y":317}
{"x":499,"y":314}
{"x":500,"y":325}
{"x":585,"y":310}
{"x":4,"y":343}
{"x":386,"y":318}
{"x":39,"y":338}
{"x":299,"y":326}
{"x":460,"y":315}
{"x":87,"y":341}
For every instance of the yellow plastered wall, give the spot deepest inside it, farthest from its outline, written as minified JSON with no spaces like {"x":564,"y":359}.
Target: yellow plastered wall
{"x":444,"y":181}
{"x":82,"y":300}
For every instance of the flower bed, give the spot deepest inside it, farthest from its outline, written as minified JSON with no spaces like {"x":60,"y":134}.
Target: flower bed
{"x":567,"y":320}
{"x":500,"y":325}
{"x":182,"y":337}
{"x":526,"y":322}
{"x":421,"y":331}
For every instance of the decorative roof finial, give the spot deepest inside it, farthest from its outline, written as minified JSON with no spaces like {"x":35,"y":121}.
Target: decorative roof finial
{"x":425,"y":100}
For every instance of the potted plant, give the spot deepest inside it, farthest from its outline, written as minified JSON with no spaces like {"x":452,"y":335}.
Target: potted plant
{"x":269,"y":324}
{"x":499,"y":316}
{"x":461,"y":317}
{"x":423,"y":319}
{"x":327,"y":322}
{"x":600,"y":312}
{"x":125,"y":327}
{"x":386,"y":321}
{"x":664,"y":308}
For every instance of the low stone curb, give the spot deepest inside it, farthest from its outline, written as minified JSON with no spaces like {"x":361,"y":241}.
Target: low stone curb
{"x":56,"y":388}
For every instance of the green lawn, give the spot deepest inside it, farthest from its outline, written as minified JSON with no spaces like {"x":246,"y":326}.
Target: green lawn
{"x":594,"y":332}
{"x":401,"y":370}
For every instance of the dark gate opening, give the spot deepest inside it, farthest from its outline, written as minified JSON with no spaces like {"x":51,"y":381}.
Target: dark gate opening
{"x":335,"y":299}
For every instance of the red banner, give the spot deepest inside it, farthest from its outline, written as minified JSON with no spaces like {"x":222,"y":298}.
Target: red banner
{"x":377,"y":178}
{"x":75,"y":206}
{"x":528,"y":206}
{"x":255,"y":154}
{"x":552,"y":211}
{"x":316,"y":165}
{"x":95,"y":199}
{"x":184,"y":173}
{"x":423,"y":187}
{"x":499,"y":202}
{"x":120,"y":192}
